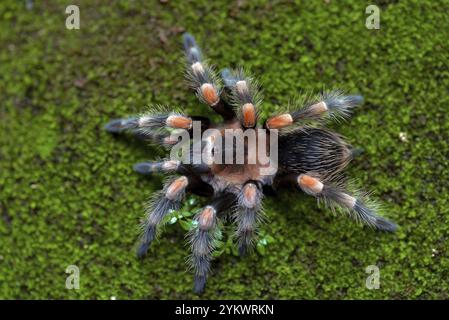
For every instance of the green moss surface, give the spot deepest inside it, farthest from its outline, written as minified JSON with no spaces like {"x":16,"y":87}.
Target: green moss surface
{"x":68,"y":195}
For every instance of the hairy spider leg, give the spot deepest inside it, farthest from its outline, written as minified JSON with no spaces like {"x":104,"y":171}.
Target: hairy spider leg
{"x":248,"y":215}
{"x":204,"y":236}
{"x":335,"y":195}
{"x":331,"y":104}
{"x":245,"y":96}
{"x":169,"y":199}
{"x":203,"y":79}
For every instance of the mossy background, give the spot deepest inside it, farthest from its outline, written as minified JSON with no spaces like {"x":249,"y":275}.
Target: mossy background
{"x":69,"y":196}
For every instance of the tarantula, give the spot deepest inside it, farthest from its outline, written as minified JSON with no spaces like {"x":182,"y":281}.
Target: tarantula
{"x":309,"y":157}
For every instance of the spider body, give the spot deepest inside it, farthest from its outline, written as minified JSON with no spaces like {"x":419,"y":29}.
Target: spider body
{"x":229,"y":162}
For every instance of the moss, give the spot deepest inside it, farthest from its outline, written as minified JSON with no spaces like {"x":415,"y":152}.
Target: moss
{"x":68,"y":194}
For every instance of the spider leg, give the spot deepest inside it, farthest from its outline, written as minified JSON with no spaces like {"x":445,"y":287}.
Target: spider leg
{"x":203,"y":79}
{"x":332,"y":104}
{"x":117,"y":126}
{"x":149,"y":122}
{"x":335,"y":195}
{"x":149,"y":127}
{"x":245,"y":96}
{"x":157,"y":167}
{"x":170,"y":166}
{"x":146,"y":126}
{"x":120,"y":125}
{"x":169,"y":199}
{"x":203,"y":238}
{"x":229,"y":79}
{"x":248,"y":215}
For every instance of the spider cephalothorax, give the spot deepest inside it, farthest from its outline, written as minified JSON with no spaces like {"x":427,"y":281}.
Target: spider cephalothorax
{"x":307,"y":157}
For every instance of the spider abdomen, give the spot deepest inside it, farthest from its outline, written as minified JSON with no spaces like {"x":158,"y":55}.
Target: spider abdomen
{"x":313,"y":150}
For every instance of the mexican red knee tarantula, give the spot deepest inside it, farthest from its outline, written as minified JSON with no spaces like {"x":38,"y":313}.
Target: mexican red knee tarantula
{"x":310,"y":158}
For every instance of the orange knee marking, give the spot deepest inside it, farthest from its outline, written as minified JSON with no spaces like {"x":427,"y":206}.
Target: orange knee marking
{"x":209,"y":94}
{"x":280,"y":121}
{"x":310,"y":183}
{"x":249,"y":115}
{"x":206,"y":218}
{"x":176,"y":187}
{"x":249,"y":193}
{"x":179,"y":122}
